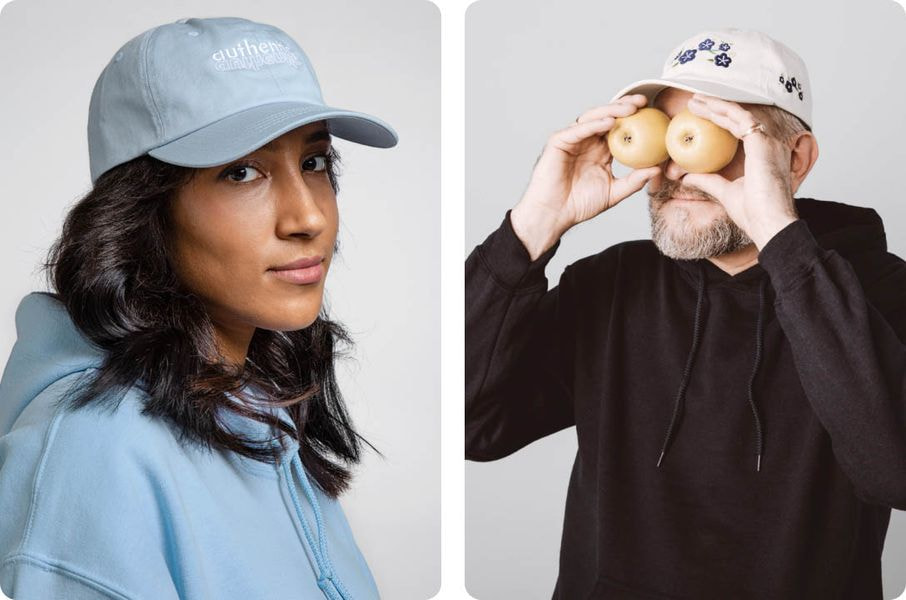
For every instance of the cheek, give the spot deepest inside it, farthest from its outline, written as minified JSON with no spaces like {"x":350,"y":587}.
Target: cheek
{"x":217,"y":252}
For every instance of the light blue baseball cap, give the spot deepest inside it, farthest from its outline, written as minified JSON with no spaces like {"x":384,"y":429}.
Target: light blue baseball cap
{"x":204,"y":92}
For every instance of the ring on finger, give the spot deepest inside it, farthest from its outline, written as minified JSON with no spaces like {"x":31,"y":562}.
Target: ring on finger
{"x":755,"y":127}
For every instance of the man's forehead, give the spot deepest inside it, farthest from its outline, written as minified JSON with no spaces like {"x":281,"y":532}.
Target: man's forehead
{"x":667,"y":94}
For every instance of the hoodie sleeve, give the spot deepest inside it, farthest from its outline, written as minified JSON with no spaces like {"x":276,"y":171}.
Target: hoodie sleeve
{"x":38,"y":579}
{"x":517,"y":349}
{"x":846,"y":325}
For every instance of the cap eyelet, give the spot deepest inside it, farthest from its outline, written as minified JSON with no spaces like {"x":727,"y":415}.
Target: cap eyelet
{"x":193,"y":33}
{"x":118,"y":57}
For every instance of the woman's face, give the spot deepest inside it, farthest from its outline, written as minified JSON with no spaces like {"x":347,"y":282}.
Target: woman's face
{"x":237,"y":227}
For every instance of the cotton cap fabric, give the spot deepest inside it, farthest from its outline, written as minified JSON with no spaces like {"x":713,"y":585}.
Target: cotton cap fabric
{"x":737,"y":65}
{"x":201,"y":92}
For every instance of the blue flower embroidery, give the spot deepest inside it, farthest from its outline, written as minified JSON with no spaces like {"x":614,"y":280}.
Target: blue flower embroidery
{"x":792,"y":86}
{"x":722,"y":59}
{"x":687,"y":56}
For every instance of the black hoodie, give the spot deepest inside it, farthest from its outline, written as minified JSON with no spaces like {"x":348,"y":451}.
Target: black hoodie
{"x":774,"y":401}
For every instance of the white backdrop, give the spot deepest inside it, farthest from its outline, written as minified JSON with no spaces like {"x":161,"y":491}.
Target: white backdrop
{"x":380,"y":58}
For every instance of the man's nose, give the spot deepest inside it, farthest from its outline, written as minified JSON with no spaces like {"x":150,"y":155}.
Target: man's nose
{"x":672,"y":170}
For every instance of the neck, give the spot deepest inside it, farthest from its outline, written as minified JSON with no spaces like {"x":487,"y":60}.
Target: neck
{"x":736,"y":261}
{"x":233,"y":343}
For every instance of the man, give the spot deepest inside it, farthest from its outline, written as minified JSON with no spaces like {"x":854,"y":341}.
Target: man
{"x":737,"y":383}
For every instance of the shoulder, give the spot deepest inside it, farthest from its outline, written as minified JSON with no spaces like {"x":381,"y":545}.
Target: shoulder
{"x":622,"y":258}
{"x":80,"y":486}
{"x":116,"y":429}
{"x":101,"y":455}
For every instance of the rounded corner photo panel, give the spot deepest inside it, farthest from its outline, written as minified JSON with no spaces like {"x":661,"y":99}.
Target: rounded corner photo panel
{"x":220,"y":355}
{"x":685,"y":325}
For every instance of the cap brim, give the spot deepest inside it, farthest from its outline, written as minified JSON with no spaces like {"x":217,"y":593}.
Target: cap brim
{"x":238,"y":134}
{"x":651,"y":87}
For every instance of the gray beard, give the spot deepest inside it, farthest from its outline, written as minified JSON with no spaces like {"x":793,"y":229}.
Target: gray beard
{"x":680,"y":238}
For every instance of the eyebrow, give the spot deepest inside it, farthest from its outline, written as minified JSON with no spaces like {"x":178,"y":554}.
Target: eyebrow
{"x":317,"y":136}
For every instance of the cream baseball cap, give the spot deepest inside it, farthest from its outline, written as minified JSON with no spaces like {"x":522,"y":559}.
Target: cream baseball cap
{"x":737,"y":65}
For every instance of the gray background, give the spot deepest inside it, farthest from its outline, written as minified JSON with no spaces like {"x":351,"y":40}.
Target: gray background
{"x":531,"y":68}
{"x":381,"y":58}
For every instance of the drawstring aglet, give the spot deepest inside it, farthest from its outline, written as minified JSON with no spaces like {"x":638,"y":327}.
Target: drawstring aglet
{"x":758,"y":463}
{"x":660,"y":459}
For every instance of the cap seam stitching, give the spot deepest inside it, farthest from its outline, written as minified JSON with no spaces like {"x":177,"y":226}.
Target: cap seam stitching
{"x":155,"y":113}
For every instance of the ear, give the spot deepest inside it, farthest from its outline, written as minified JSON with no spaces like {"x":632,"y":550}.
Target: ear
{"x":804,"y":154}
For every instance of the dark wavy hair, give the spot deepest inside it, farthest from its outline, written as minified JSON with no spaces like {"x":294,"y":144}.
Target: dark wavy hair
{"x":112,"y":269}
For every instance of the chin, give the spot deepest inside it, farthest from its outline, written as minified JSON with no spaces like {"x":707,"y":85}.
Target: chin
{"x":296,"y":313}
{"x":679,"y":234}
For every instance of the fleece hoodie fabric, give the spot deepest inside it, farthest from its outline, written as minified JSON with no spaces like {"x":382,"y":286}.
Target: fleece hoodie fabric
{"x":106,"y":504}
{"x":738,"y":436}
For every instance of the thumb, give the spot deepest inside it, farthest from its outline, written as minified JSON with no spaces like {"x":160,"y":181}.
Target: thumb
{"x":710,"y":183}
{"x":633,"y":182}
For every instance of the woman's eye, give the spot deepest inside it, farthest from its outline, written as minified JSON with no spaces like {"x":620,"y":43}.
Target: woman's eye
{"x":315,"y":163}
{"x":241,"y":173}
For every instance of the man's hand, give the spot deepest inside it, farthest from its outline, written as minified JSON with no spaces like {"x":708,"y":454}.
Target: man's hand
{"x":761,"y":201}
{"x":572,"y":180}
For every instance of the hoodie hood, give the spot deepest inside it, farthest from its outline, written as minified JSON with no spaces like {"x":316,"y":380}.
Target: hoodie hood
{"x":50,"y":347}
{"x":849,"y":230}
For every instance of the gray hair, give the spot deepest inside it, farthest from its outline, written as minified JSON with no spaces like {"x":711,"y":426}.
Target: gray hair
{"x":779,"y":123}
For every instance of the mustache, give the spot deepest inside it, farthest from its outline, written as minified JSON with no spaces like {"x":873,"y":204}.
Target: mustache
{"x":670,"y":189}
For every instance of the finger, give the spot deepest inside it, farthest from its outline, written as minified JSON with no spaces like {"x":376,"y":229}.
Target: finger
{"x":721,"y":106}
{"x":623,"y":107}
{"x":582,"y":131}
{"x":710,"y":183}
{"x":624,"y":187}
{"x":721,"y":120}
{"x":728,"y":115}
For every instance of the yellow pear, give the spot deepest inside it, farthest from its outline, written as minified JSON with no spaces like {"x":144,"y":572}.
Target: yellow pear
{"x":698,"y":145}
{"x":638,"y":141}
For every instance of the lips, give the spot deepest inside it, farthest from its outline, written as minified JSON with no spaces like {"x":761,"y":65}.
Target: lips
{"x":302,"y":271}
{"x":301,"y":263}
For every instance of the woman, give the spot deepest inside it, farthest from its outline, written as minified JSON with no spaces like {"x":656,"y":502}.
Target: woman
{"x":171,"y":424}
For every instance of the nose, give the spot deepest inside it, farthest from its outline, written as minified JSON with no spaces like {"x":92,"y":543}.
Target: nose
{"x":302,"y":207}
{"x":672,"y":170}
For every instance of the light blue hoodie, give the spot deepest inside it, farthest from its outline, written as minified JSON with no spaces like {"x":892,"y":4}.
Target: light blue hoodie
{"x":106,"y":504}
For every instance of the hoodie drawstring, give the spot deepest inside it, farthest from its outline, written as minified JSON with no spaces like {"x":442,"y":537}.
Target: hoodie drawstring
{"x":327,"y":580}
{"x":696,"y":335}
{"x":759,"y":340}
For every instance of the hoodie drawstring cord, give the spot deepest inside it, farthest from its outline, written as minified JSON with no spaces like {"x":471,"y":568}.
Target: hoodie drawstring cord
{"x":696,"y":334}
{"x":327,"y":579}
{"x":759,"y":340}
